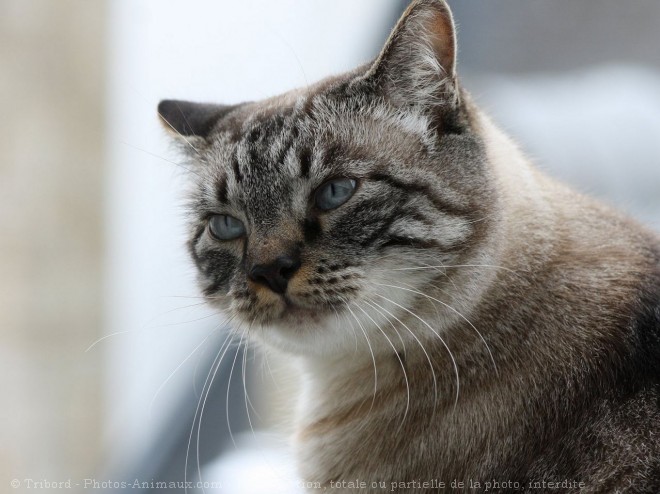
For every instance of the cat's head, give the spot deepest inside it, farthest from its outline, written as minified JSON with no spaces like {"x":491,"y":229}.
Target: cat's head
{"x":315,"y":215}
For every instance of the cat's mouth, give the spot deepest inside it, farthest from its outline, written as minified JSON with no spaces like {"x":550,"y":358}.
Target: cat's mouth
{"x":293,"y":309}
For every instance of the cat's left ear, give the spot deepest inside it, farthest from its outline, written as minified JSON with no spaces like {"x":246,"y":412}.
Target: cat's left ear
{"x":417,"y":66}
{"x":185,"y":119}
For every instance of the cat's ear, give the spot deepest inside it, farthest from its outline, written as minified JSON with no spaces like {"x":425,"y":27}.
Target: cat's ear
{"x":417,"y":66}
{"x":185,"y":119}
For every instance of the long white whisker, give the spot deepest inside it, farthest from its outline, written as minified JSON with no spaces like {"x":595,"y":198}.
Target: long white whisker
{"x":492,"y":359}
{"x":201,"y":413}
{"x":403,"y":368}
{"x":216,"y":363}
{"x":252,"y":407}
{"x":247,"y":396}
{"x":164,"y":383}
{"x":231,"y":371}
{"x":186,"y":168}
{"x":227,"y":324}
{"x":106,"y":337}
{"x":145,"y":329}
{"x":179,"y":133}
{"x":443,"y":272}
{"x":403,"y":343}
{"x":373,"y":357}
{"x":451,"y":356}
{"x":350,"y":324}
{"x":245,"y":393}
{"x":187,"y":322}
{"x":428,"y":358}
{"x":450,"y":266}
{"x":293,"y":52}
{"x":270,"y":370}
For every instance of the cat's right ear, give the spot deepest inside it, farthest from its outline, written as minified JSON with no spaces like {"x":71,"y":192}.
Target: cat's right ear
{"x":186,"y":120}
{"x":417,"y":66}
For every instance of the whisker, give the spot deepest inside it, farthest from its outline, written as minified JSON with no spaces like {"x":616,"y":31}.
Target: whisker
{"x":201,"y":413}
{"x":373,"y":357}
{"x":195,"y":297}
{"x":245,"y":358}
{"x":190,"y":306}
{"x":143,"y":330}
{"x":403,"y":368}
{"x":180,"y":165}
{"x":482,"y":218}
{"x":264,"y":352}
{"x":231,"y":372}
{"x":394,"y":328}
{"x":293,"y":52}
{"x":428,"y":358}
{"x":228,"y":325}
{"x":179,"y":133}
{"x":443,"y":272}
{"x":449,"y":266}
{"x":102,"y":338}
{"x":492,"y":359}
{"x":435,"y":333}
{"x":245,"y":393}
{"x":215,"y":365}
{"x":168,"y":325}
{"x":164,"y":383}
{"x":348,"y":321}
{"x":252,"y":407}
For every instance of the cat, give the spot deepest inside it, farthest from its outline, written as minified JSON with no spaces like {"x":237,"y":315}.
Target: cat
{"x":463,"y":322}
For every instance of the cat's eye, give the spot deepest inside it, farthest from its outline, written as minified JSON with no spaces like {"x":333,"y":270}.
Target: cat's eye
{"x":225,"y":227}
{"x":334,"y":193}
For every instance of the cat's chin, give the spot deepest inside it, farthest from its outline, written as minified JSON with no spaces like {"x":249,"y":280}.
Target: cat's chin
{"x":285,"y":312}
{"x":295,"y":316}
{"x":300,"y":330}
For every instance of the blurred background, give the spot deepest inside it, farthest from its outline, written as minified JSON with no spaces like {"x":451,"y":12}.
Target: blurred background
{"x":105,"y":347}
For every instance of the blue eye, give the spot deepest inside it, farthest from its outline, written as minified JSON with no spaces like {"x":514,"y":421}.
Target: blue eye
{"x":333,"y":194}
{"x":225,"y":227}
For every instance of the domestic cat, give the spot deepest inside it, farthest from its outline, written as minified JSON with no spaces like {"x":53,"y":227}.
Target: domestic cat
{"x":463,"y":322}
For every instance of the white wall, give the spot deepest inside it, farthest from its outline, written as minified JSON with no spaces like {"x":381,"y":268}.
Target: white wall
{"x":222,"y":51}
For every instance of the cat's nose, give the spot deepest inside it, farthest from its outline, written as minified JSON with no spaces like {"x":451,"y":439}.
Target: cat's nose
{"x":275,"y":275}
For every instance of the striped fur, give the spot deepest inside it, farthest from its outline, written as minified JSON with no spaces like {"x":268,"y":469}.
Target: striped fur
{"x":462,"y":317}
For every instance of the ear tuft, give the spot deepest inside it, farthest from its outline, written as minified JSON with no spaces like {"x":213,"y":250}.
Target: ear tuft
{"x":188,"y":119}
{"x":417,"y":66}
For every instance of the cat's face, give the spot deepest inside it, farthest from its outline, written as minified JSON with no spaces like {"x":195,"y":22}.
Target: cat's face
{"x":315,"y":215}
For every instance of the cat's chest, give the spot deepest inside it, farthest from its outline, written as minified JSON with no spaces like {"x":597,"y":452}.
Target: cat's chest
{"x":406,"y":433}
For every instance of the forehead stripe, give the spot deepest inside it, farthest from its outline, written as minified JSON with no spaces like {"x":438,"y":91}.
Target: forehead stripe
{"x":235,"y":167}
{"x":305,"y":158}
{"x":438,"y":202}
{"x":222,"y":190}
